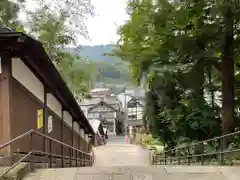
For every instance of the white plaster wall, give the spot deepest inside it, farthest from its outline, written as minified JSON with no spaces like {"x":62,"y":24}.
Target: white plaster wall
{"x":82,"y":133}
{"x":25,"y":76}
{"x":76,"y":127}
{"x":54,"y":104}
{"x":67,"y":118}
{"x":86,"y":137}
{"x":121,"y":98}
{"x":85,"y":110}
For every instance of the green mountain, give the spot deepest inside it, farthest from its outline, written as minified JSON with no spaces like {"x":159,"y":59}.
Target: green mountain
{"x":109,"y":70}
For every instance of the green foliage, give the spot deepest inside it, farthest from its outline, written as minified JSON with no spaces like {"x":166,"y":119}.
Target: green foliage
{"x":176,"y":46}
{"x":9,"y":12}
{"x":77,"y":73}
{"x":149,"y":141}
{"x":56,"y":24}
{"x":74,"y":12}
{"x":53,"y":31}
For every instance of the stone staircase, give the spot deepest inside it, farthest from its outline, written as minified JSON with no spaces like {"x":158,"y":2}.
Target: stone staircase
{"x":119,"y":161}
{"x":113,"y":139}
{"x":121,"y":155}
{"x":138,"y":173}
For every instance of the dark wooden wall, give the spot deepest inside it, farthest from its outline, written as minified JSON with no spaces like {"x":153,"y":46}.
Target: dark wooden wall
{"x":24,"y":118}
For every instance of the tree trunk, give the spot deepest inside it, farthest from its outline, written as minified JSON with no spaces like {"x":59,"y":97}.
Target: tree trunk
{"x":228,"y":77}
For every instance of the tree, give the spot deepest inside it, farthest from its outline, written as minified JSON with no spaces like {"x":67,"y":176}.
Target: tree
{"x":9,"y":12}
{"x":56,"y":24}
{"x":51,"y":29}
{"x":73,"y":11}
{"x":228,"y":67}
{"x":77,"y":73}
{"x":176,"y":46}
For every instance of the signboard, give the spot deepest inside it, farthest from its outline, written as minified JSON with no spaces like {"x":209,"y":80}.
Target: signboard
{"x":39,"y":118}
{"x":50,"y":124}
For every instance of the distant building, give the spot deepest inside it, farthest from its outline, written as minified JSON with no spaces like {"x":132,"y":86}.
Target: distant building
{"x":134,"y":100}
{"x":135,"y":113}
{"x":106,"y":107}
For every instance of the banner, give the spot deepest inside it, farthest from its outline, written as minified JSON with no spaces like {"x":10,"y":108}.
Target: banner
{"x":50,"y":124}
{"x":39,"y":118}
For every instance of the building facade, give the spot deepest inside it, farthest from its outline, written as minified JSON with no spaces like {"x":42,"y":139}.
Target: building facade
{"x":133,"y":106}
{"x":106,"y":107}
{"x":135,"y":113}
{"x":34,"y":96}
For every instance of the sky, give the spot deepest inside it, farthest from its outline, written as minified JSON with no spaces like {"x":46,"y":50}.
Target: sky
{"x":102,"y":27}
{"x":109,"y":14}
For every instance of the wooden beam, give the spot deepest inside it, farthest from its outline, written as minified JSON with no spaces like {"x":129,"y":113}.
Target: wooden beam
{"x":5,"y":103}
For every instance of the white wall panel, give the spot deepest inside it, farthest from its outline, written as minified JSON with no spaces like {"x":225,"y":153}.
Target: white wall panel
{"x":67,"y":118}
{"x":25,"y":76}
{"x":54,"y":104}
{"x":85,"y":110}
{"x":76,"y":127}
{"x":86,"y":137}
{"x":82,"y":133}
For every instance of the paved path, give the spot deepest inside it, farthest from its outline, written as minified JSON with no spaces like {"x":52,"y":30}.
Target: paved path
{"x":121,"y":155}
{"x":112,"y":139}
{"x":119,"y":161}
{"x":138,"y":173}
{"x":117,"y":153}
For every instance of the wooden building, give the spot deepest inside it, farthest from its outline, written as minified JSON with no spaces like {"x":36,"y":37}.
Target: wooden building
{"x":34,"y":96}
{"x":106,"y":108}
{"x":135,"y":113}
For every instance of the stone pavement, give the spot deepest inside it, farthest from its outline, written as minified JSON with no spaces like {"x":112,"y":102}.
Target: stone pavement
{"x":123,"y":154}
{"x":117,"y":153}
{"x":113,"y":139}
{"x":138,"y":173}
{"x":119,"y":161}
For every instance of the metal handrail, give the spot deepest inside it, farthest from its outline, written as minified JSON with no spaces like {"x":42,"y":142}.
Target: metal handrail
{"x":31,"y":132}
{"x":188,"y":146}
{"x":59,"y":142}
{"x":16,"y":138}
{"x":45,"y":136}
{"x":201,"y":142}
{"x":15,"y":164}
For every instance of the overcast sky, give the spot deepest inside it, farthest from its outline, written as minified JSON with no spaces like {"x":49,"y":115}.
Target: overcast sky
{"x":109,"y":14}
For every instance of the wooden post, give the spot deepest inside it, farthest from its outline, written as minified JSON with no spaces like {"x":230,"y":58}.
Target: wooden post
{"x":62,"y":154}
{"x":5,"y":103}
{"x":45,"y":118}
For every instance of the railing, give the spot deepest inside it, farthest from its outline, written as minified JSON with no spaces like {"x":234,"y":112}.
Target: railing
{"x":223,"y":150}
{"x":81,"y":158}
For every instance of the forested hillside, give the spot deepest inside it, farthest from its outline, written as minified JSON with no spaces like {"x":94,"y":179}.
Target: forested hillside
{"x":110,"y":70}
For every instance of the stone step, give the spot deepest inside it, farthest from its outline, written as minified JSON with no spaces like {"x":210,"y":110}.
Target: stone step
{"x":138,"y":173}
{"x":17,"y":173}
